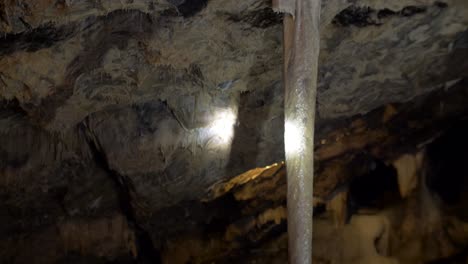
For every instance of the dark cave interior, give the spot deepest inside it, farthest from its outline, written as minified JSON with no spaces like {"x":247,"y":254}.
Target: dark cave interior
{"x":153,"y":131}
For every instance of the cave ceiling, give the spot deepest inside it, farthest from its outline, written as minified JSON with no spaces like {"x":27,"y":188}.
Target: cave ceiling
{"x":136,"y":92}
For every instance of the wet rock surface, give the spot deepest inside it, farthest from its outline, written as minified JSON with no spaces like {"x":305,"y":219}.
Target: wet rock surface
{"x":119,"y":120}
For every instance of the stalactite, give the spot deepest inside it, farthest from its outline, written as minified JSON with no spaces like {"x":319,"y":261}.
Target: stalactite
{"x":301,"y":51}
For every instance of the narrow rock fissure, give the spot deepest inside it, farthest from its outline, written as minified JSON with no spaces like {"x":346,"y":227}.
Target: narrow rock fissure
{"x":35,"y":39}
{"x":146,"y":251}
{"x":364,"y":16}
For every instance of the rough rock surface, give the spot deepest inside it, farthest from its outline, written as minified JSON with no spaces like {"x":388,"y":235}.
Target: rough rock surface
{"x":111,"y":111}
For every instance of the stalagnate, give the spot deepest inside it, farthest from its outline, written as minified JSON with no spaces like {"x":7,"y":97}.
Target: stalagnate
{"x":301,"y":56}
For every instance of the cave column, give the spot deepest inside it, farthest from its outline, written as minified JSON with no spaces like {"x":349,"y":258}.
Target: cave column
{"x":301,"y":52}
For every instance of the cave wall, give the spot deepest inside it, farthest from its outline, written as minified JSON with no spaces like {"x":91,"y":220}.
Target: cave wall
{"x":395,"y":211}
{"x":107,"y":111}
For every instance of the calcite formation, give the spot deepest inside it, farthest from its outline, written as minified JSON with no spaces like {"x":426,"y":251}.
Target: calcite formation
{"x":131,"y":114}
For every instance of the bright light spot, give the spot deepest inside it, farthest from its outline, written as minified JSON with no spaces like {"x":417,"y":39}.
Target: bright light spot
{"x":293,"y":138}
{"x":223,"y":126}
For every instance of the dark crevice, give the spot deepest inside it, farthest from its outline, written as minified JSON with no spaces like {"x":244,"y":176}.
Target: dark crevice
{"x":174,"y":115}
{"x":447,"y":159}
{"x":440,"y":4}
{"x":262,"y":18}
{"x":376,"y":189}
{"x":366,"y":16}
{"x":147,"y":111}
{"x":25,"y":24}
{"x":319,"y":209}
{"x":12,"y":106}
{"x":412,"y":10}
{"x":186,"y":8}
{"x":447,"y":156}
{"x":386,"y":13}
{"x":362,"y":163}
{"x":42,"y":37}
{"x":125,"y":190}
{"x":355,"y":16}
{"x":228,"y":210}
{"x":461,"y":41}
